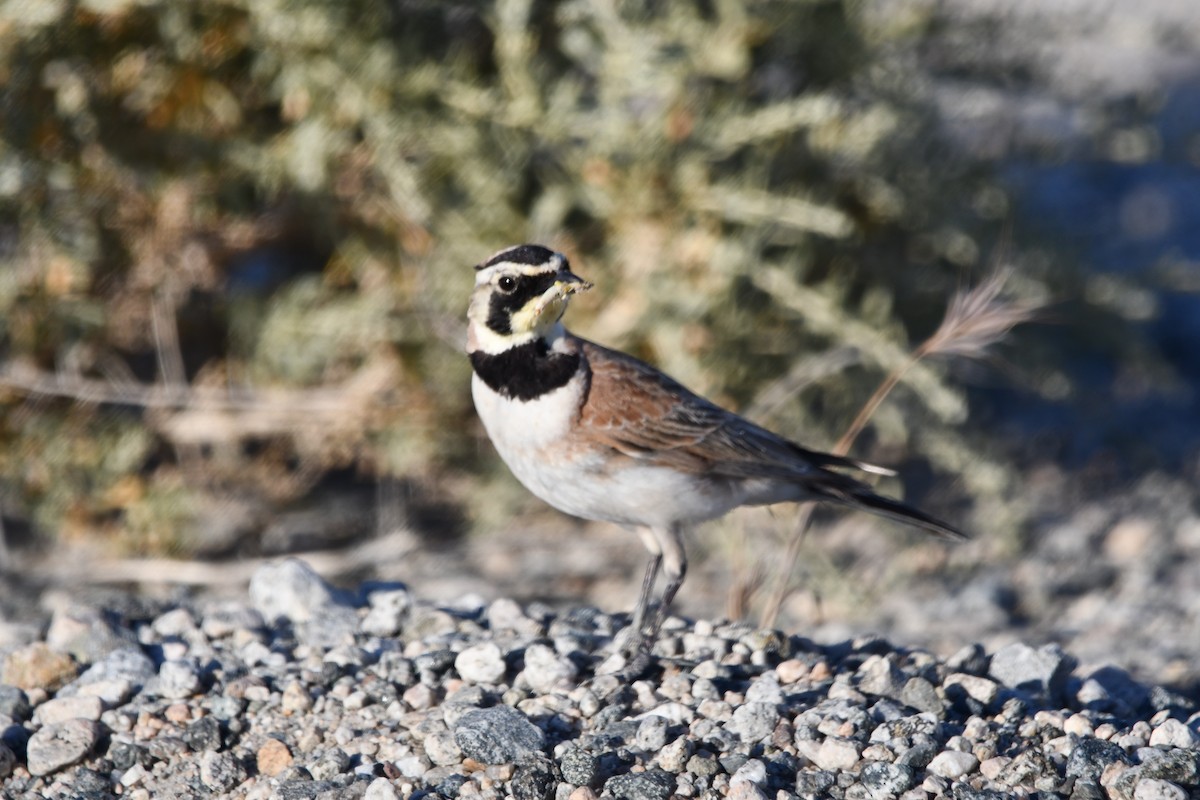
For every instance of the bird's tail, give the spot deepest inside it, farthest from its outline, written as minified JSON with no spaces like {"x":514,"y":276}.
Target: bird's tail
{"x":847,"y":491}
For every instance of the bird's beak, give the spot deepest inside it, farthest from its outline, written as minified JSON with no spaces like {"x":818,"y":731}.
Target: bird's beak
{"x":569,"y":283}
{"x":566,"y":284}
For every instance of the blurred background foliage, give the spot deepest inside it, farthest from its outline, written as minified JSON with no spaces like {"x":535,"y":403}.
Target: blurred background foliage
{"x":237,"y":239}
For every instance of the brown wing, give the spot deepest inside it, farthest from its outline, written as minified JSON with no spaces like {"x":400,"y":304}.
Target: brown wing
{"x":638,"y":411}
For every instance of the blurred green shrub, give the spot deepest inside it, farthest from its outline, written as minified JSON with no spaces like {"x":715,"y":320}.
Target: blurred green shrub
{"x":237,"y":236}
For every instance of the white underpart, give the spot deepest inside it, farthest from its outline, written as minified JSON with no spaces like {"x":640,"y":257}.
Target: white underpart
{"x":534,"y":437}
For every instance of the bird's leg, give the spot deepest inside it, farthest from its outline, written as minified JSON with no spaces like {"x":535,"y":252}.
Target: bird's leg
{"x":669,"y":553}
{"x":643,"y":604}
{"x":674,"y":558}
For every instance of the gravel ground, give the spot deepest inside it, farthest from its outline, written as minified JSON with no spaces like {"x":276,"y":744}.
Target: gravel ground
{"x":299,"y":690}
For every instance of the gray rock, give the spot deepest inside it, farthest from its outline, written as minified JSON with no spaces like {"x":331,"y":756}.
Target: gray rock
{"x":579,"y":767}
{"x":387,"y":611}
{"x":176,"y":680}
{"x":290,"y":589}
{"x":1091,"y":756}
{"x":14,"y":703}
{"x":546,"y":670}
{"x":62,"y":709}
{"x":1042,"y":671}
{"x":1113,"y":690}
{"x":1173,"y":733}
{"x":481,"y":663}
{"x":884,"y":780}
{"x":533,"y":779}
{"x":226,"y":618}
{"x":1157,"y":789}
{"x":953,"y":764}
{"x":127,"y":664}
{"x":971,"y":659}
{"x":221,"y":772}
{"x":879,"y":676}
{"x":651,"y":734}
{"x":674,"y":757}
{"x":765,"y":689}
{"x":754,"y":722}
{"x":653,"y":784}
{"x":814,"y":782}
{"x":920,"y":694}
{"x":87,"y":633}
{"x":381,"y":789}
{"x":753,"y":772}
{"x":203,"y":735}
{"x":498,"y":735}
{"x":442,"y":749}
{"x":57,"y":746}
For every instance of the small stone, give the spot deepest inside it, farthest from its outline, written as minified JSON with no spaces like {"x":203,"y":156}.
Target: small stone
{"x":481,"y":663}
{"x":273,"y":758}
{"x":442,"y":749}
{"x":126,"y":664}
{"x":62,"y":709}
{"x":14,"y":703}
{"x":381,"y":789}
{"x":221,"y":772}
{"x":920,"y":694}
{"x":674,"y":757}
{"x":1173,"y":733}
{"x":497,"y":735}
{"x":753,"y":722}
{"x":61,"y":745}
{"x":746,"y":791}
{"x":579,"y":767}
{"x":879,"y":676}
{"x":533,"y":779}
{"x":953,"y":764}
{"x":1042,"y":670}
{"x":982,"y":689}
{"x":225,"y":618}
{"x":652,"y":784}
{"x":1078,"y":725}
{"x":814,"y":783}
{"x":203,"y":735}
{"x":791,"y":671}
{"x":295,"y":699}
{"x":1090,"y":757}
{"x":837,"y":754}
{"x":1114,"y":690}
{"x":8,"y":760}
{"x":971,"y":659}
{"x":753,"y":772}
{"x":291,"y":590}
{"x":387,"y":610}
{"x":545,"y":670}
{"x":991,"y":767}
{"x":765,"y":689}
{"x":651,"y":734}
{"x":883,"y":780}
{"x":38,"y":666}
{"x":87,"y":632}
{"x":582,"y":793}
{"x":176,"y":680}
{"x":1156,"y":789}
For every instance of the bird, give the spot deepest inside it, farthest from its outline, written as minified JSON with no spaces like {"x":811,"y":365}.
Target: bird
{"x":601,"y":435}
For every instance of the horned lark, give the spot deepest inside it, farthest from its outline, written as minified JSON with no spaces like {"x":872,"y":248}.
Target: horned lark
{"x":603,"y":436}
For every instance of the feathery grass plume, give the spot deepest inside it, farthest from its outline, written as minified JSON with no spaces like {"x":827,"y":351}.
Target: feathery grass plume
{"x":976,"y":320}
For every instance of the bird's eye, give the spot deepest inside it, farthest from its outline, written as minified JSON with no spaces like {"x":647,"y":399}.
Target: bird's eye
{"x":507,"y":284}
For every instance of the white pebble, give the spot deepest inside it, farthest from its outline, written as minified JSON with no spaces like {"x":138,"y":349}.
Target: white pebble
{"x":1156,"y":789}
{"x":953,"y":764}
{"x":1173,"y":733}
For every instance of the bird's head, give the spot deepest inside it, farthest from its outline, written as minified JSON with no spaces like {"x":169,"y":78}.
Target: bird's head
{"x":520,"y":295}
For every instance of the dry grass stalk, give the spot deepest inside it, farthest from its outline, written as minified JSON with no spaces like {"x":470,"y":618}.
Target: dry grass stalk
{"x":975,"y":321}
